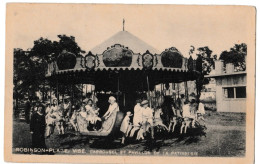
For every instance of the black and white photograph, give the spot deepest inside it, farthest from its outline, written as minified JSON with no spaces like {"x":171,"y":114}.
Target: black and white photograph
{"x":130,"y":80}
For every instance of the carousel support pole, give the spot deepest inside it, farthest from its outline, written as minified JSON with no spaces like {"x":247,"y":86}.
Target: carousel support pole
{"x":63,"y":97}
{"x":71,"y":94}
{"x":50,"y":93}
{"x":161,"y":95}
{"x":124,"y":99}
{"x":58,"y":95}
{"x":186,"y":90}
{"x":148,"y":90}
{"x":43,"y":92}
{"x":163,"y":89}
{"x":150,"y":103}
{"x":81,"y":93}
{"x":93,"y":94}
{"x":173,"y":88}
{"x":155,"y":100}
{"x":118,"y":90}
{"x":178,"y":87}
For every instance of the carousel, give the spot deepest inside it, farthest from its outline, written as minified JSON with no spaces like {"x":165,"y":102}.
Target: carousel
{"x":122,"y":66}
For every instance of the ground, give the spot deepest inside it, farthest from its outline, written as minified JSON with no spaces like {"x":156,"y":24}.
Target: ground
{"x":225,"y":136}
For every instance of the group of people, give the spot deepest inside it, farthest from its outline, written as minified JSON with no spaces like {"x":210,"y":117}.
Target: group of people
{"x":90,"y":113}
{"x":185,"y":112}
{"x":45,"y":117}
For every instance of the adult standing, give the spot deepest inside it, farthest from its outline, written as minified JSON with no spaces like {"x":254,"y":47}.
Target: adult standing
{"x":37,"y":128}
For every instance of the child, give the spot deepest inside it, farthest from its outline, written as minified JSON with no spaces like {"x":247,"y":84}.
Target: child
{"x":173,"y":120}
{"x":50,"y":122}
{"x":186,"y":117}
{"x":193,"y":111}
{"x":158,"y":119}
{"x":59,"y":120}
{"x":126,"y":126}
{"x":73,"y":121}
{"x":201,"y":112}
{"x":92,"y":116}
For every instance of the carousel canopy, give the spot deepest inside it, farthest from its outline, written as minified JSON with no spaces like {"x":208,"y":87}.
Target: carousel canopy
{"x":124,"y":58}
{"x":127,"y":39}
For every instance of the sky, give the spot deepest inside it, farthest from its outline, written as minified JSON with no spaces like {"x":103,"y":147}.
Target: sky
{"x":161,"y":26}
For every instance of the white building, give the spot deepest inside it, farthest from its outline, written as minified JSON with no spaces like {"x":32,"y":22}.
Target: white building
{"x":230,"y":88}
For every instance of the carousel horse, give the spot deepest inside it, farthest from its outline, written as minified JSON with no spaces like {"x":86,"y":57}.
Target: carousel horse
{"x":73,"y":121}
{"x":158,"y":120}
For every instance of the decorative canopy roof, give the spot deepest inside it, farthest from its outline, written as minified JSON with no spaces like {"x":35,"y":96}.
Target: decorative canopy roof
{"x":128,"y":40}
{"x":126,"y":58}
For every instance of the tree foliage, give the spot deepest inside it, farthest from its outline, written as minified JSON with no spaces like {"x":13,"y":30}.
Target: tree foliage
{"x":204,"y":64}
{"x":30,"y":65}
{"x":235,"y":55}
{"x":207,"y":59}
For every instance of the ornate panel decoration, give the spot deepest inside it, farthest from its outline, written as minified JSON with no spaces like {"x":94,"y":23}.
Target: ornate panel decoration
{"x":117,"y":56}
{"x":90,"y":61}
{"x":147,"y":60}
{"x":66,"y":60}
{"x":171,"y":58}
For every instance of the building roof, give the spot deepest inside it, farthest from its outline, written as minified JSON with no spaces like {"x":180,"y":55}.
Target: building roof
{"x":225,"y":74}
{"x":126,"y":39}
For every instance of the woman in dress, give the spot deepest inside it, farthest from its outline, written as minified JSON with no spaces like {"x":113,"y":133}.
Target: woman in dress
{"x":37,"y":128}
{"x":112,"y":107}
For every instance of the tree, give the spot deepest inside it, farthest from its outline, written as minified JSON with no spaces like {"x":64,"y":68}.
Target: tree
{"x":67,"y":43}
{"x":207,"y":59}
{"x":20,"y":74}
{"x":30,"y":66}
{"x":235,"y":55}
{"x":204,"y":64}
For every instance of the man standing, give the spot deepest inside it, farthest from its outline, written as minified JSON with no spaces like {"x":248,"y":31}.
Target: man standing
{"x":37,"y":128}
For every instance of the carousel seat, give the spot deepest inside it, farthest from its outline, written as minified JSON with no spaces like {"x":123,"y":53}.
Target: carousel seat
{"x":109,"y":126}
